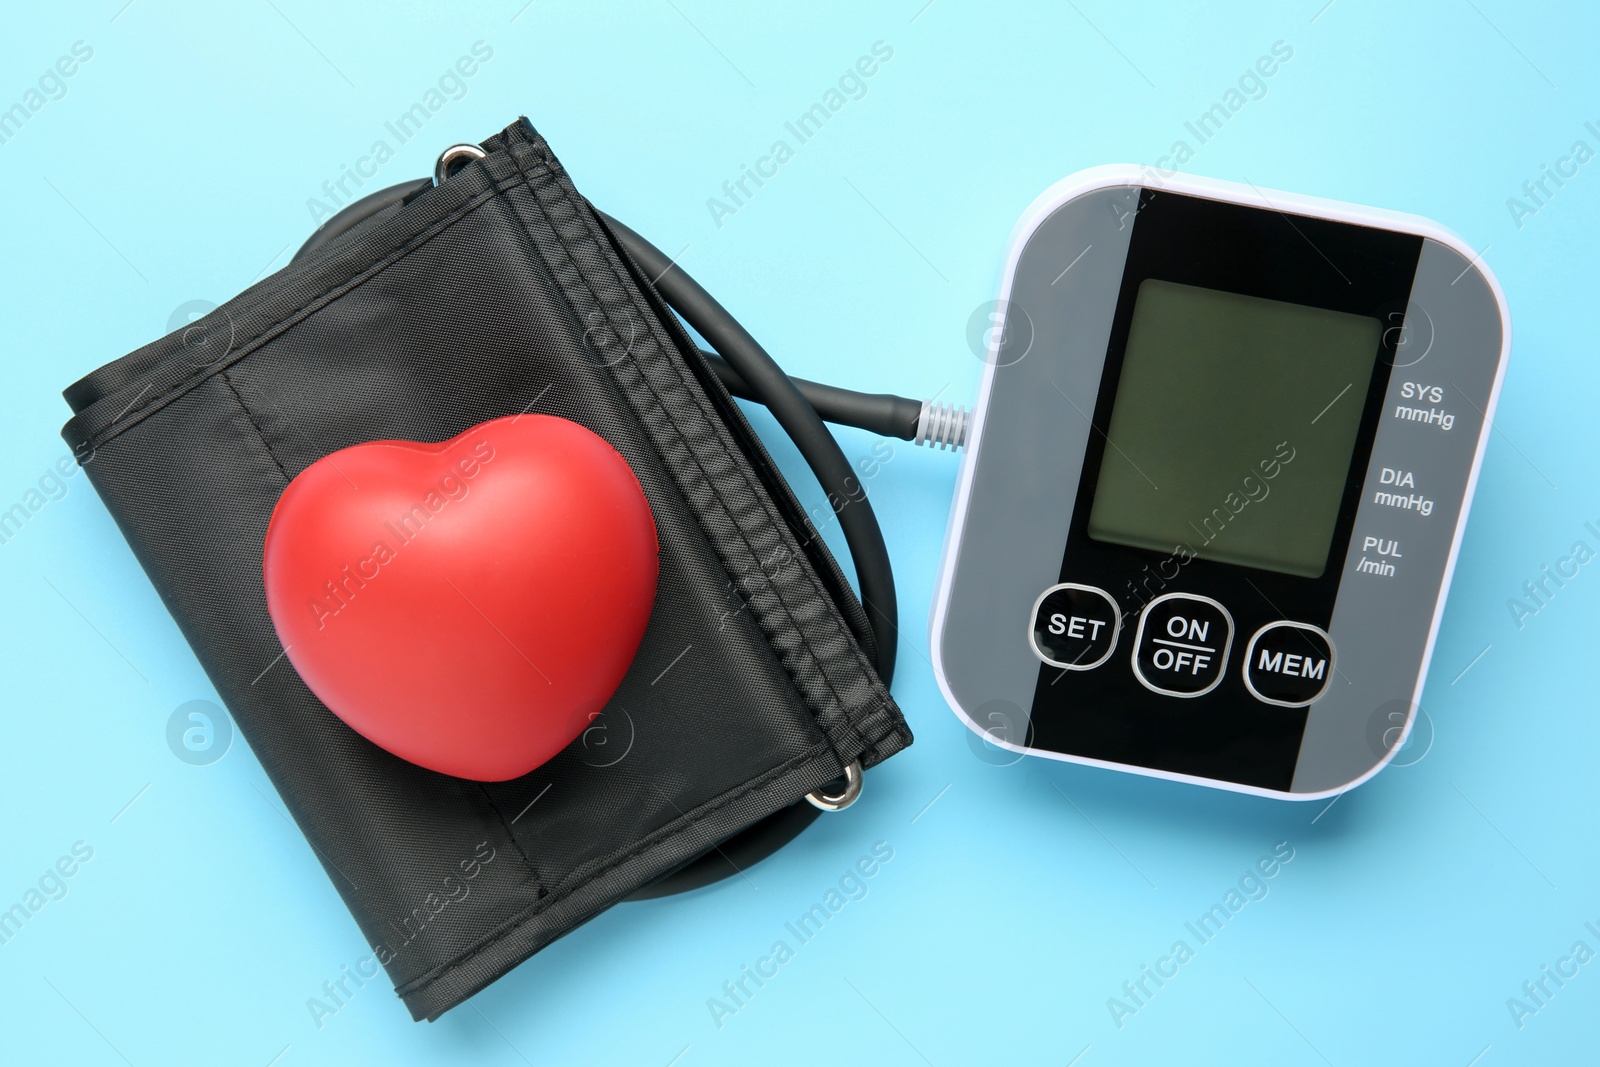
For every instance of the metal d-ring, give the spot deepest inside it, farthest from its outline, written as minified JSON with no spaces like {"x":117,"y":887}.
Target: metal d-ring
{"x":456,"y":153}
{"x":839,"y":801}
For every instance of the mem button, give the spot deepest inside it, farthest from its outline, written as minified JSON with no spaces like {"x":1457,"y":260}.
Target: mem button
{"x":1074,"y":627}
{"x":1182,"y":646}
{"x":1288,"y":663}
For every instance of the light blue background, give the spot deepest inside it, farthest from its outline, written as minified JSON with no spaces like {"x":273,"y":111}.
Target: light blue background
{"x":178,"y":166}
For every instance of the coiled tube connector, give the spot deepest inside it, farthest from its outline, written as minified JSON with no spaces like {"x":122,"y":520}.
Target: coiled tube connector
{"x":942,"y":425}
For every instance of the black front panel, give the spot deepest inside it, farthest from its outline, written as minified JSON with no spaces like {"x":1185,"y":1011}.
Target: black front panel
{"x":1172,"y":694}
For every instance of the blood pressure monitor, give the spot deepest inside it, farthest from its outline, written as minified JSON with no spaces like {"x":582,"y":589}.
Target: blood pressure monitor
{"x":1217,"y":478}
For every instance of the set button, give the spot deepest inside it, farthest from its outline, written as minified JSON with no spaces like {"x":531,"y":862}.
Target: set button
{"x":1074,"y":627}
{"x":1288,"y":663}
{"x":1181,"y":649}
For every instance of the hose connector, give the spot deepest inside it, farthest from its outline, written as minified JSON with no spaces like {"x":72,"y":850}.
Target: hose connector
{"x":942,"y":426}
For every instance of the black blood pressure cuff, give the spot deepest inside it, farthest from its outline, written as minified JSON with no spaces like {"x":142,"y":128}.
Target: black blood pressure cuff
{"x":499,"y":291}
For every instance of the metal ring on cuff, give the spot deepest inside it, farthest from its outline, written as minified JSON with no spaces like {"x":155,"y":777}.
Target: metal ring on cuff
{"x":456,"y":153}
{"x":853,"y":779}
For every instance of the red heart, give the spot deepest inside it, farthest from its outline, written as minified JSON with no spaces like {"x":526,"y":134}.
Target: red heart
{"x":471,"y":605}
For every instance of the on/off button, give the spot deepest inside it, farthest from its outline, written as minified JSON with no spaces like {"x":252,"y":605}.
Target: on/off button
{"x":1182,"y":646}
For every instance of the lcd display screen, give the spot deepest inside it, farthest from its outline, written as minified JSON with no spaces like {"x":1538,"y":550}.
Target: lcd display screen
{"x":1233,"y":427}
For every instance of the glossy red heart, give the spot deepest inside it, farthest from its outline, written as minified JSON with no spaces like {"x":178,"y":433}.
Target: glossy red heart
{"x":471,"y":605}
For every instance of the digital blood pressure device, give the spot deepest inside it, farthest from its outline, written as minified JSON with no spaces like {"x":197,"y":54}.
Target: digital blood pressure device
{"x":1216,"y":481}
{"x":1214,"y":486}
